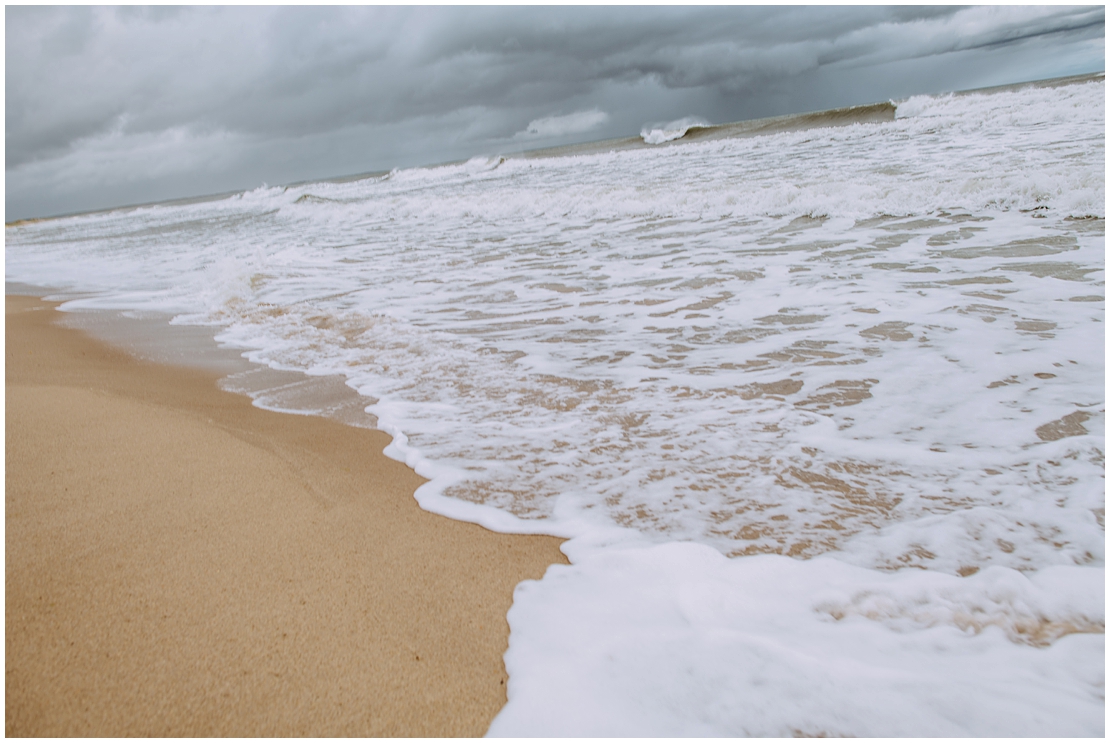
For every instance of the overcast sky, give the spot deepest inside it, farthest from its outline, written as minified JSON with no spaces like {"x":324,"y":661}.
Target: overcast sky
{"x":113,"y":106}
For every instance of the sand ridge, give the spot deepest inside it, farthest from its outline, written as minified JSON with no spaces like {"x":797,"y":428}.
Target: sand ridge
{"x":182,"y":563}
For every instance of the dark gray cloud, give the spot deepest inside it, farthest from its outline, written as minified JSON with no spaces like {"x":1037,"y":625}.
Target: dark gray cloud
{"x":107,"y":106}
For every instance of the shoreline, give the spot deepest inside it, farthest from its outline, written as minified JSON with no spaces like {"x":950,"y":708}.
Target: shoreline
{"x":180,"y":562}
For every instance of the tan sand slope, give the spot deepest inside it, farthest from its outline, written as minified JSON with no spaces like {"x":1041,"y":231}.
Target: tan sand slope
{"x":181,"y":563}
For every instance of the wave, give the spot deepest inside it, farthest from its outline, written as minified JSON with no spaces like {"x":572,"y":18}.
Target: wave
{"x":660,"y":133}
{"x":691,"y":129}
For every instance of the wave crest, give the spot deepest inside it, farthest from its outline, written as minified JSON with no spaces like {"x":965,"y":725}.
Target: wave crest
{"x":660,"y":133}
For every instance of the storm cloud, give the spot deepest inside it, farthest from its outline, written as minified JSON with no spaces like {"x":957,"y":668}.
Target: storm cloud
{"x":108,"y":106}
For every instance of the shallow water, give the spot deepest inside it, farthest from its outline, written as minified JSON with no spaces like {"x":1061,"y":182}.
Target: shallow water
{"x":881,"y":342}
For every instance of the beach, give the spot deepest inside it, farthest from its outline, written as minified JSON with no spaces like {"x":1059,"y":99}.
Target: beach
{"x":819,"y":412}
{"x":181,"y":563}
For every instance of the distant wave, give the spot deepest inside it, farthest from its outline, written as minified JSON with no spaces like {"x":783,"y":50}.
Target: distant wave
{"x":660,"y":133}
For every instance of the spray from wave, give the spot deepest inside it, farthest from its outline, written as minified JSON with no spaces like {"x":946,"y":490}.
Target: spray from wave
{"x":559,"y":126}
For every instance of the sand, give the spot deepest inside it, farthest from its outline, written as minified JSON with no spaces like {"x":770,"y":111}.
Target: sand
{"x":182,"y":563}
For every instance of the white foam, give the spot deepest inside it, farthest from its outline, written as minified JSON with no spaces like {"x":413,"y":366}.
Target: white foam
{"x":677,"y":640}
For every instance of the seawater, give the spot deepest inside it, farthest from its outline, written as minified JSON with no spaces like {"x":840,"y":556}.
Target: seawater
{"x":821,"y":411}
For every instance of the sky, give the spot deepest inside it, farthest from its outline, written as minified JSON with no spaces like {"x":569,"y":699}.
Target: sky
{"x":113,"y":106}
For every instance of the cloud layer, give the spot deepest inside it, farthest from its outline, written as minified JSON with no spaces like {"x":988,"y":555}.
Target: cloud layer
{"x":107,"y":106}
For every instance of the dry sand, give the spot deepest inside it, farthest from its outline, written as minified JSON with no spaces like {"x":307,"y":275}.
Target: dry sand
{"x":182,"y":563}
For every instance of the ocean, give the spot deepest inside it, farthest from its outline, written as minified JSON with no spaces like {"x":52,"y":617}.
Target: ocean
{"x":819,"y":408}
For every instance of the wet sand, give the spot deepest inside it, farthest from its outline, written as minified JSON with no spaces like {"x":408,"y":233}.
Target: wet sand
{"x":182,"y":563}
